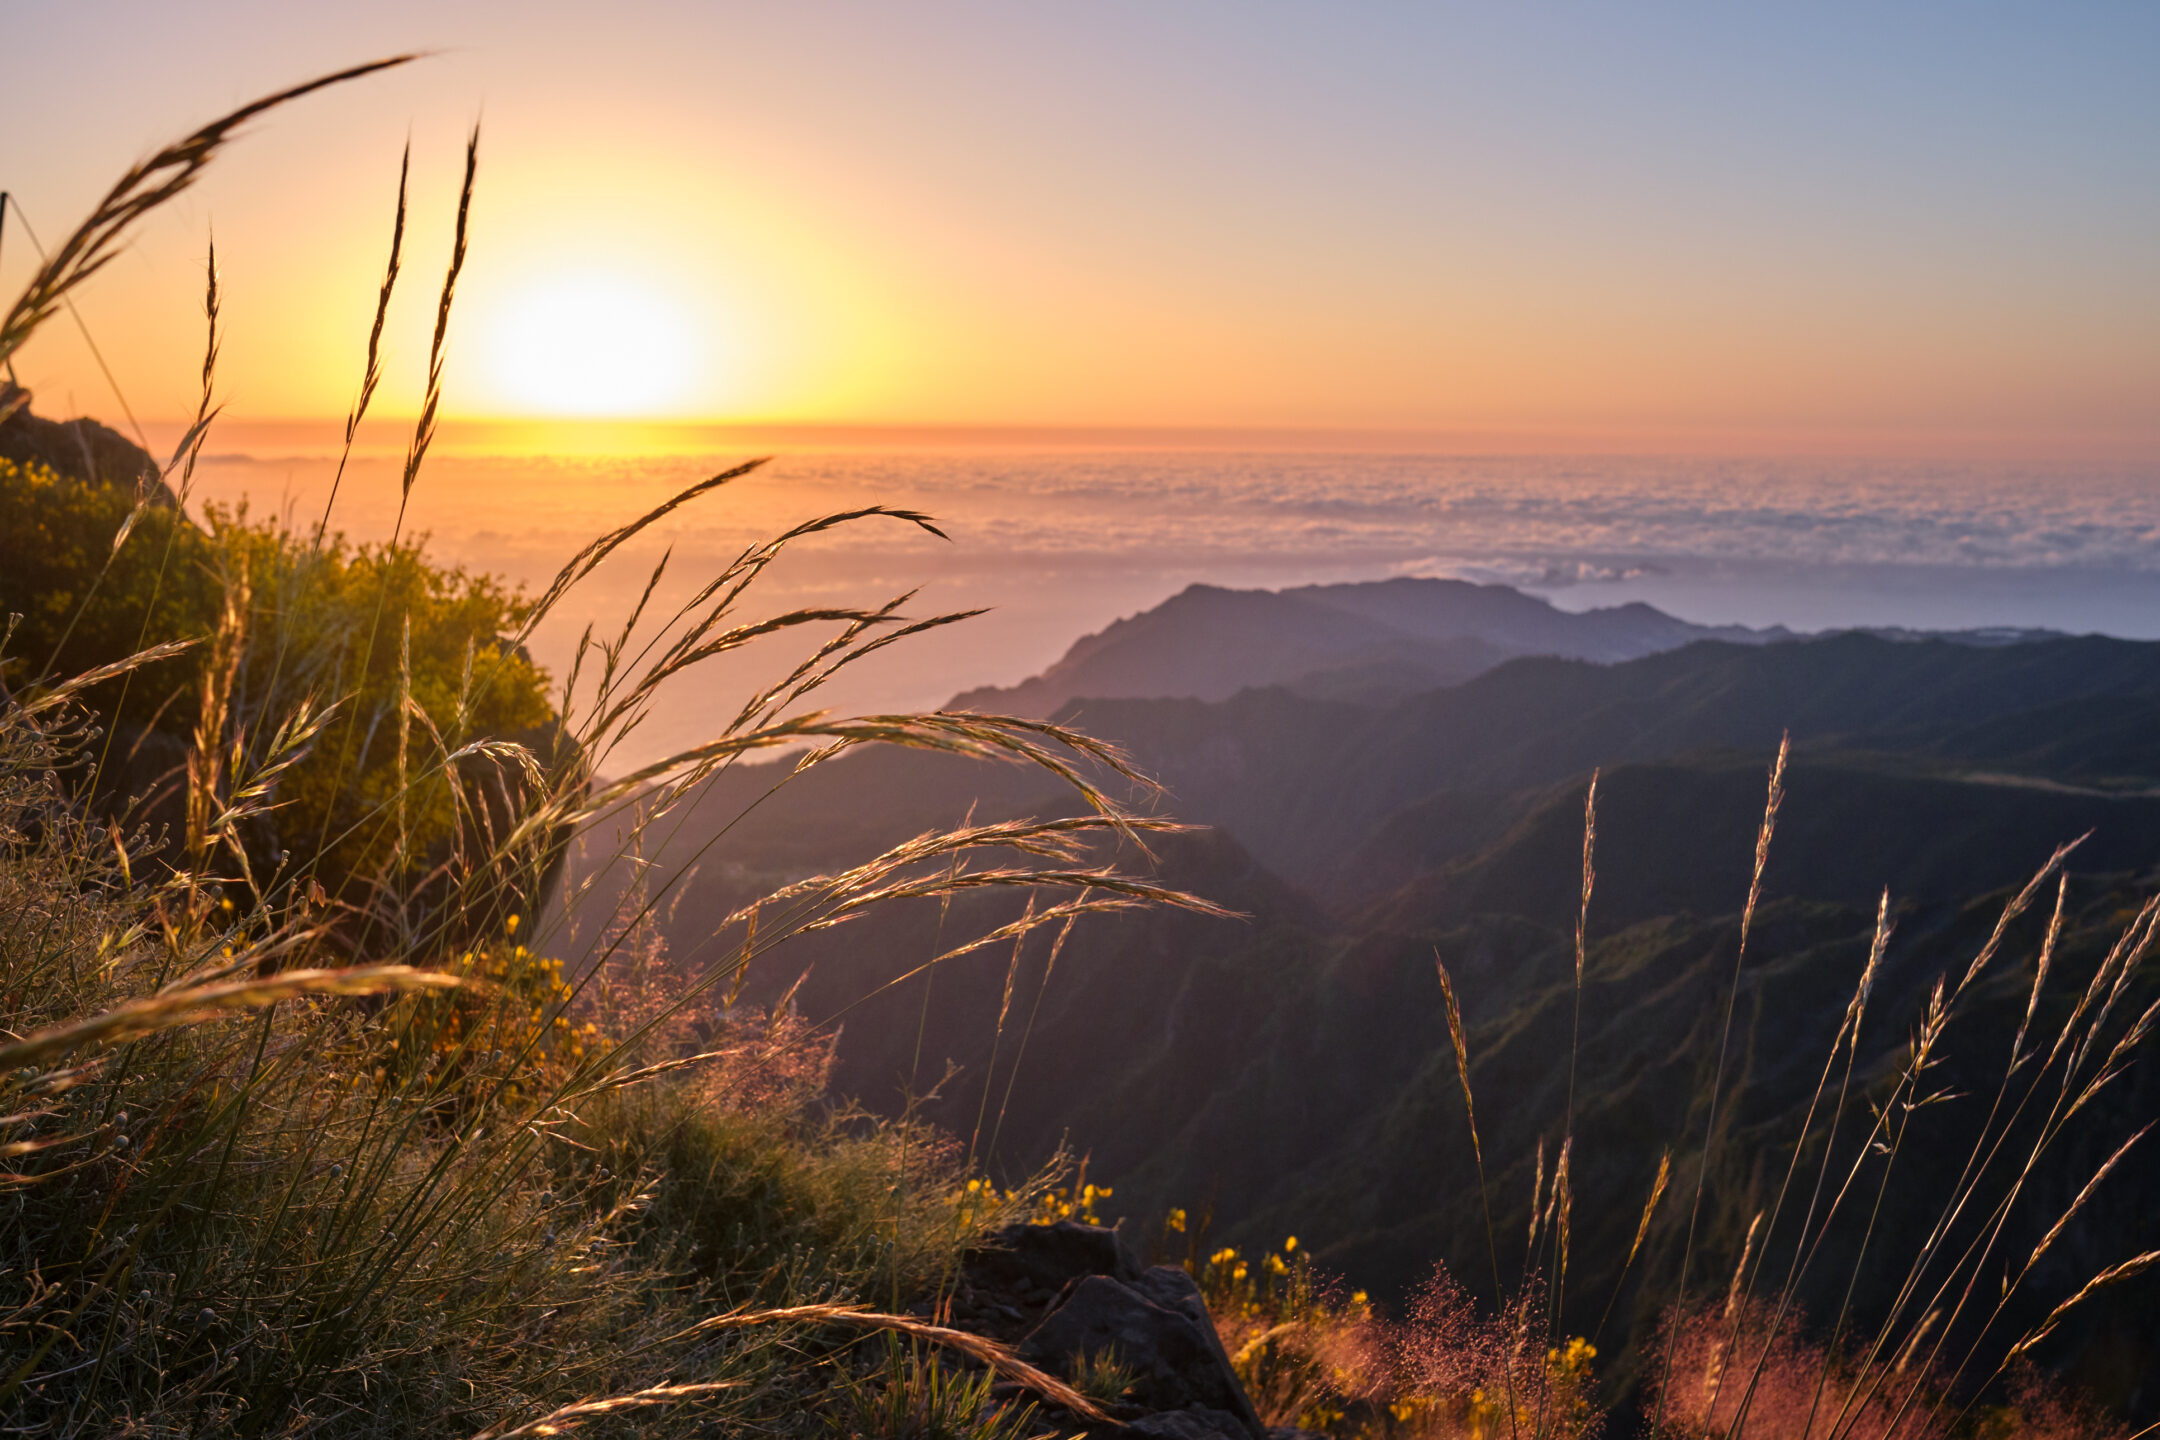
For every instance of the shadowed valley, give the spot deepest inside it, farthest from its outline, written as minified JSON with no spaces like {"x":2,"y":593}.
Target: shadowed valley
{"x":1289,"y":1072}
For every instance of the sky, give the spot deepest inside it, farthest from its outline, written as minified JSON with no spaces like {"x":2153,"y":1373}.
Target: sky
{"x":1882,"y":228}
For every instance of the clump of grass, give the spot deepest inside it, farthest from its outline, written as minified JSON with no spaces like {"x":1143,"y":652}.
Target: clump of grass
{"x":1103,"y":1375}
{"x":910,"y":1393}
{"x":1798,"y":1389}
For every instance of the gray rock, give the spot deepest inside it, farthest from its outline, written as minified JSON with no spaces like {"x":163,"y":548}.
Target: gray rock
{"x":1158,"y":1327}
{"x":1199,"y":1424}
{"x":1023,"y":1260}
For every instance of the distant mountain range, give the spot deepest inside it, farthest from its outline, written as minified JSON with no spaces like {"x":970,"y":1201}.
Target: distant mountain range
{"x":1289,"y":1073}
{"x":1370,"y":642}
{"x":1365,"y":642}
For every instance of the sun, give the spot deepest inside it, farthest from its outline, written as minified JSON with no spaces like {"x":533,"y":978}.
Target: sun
{"x":593,"y":345}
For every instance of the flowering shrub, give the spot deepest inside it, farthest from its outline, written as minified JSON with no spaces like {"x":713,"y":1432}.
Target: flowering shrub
{"x":1458,"y":1373}
{"x":512,"y":1008}
{"x":1310,"y":1354}
{"x":1317,"y":1355}
{"x":1038,"y":1204}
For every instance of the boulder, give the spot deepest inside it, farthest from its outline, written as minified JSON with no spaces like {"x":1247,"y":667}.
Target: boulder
{"x":1047,"y":1258}
{"x":1158,"y":1327}
{"x":1195,"y":1424}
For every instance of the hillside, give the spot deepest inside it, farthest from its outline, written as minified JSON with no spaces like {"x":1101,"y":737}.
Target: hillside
{"x":1289,"y":1072}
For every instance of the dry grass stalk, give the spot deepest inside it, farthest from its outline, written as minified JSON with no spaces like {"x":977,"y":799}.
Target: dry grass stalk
{"x":1768,"y":828}
{"x":1461,"y":1046}
{"x":1739,"y":1274}
{"x":569,"y":1417}
{"x":2017,"y":906}
{"x":190,"y":446}
{"x":95,"y":243}
{"x":189,"y":449}
{"x":174,"y":1008}
{"x":2114,"y":1274}
{"x":2040,"y":969}
{"x":1657,"y":1193}
{"x":1563,"y":1205}
{"x":371,"y":373}
{"x":404,"y":744}
{"x":1913,"y":1342}
{"x":2055,"y":1231}
{"x":424,"y":428}
{"x":1589,"y":873}
{"x":998,"y":1357}
{"x":1763,"y":834}
{"x":206,"y":758}
{"x":1537,"y":1195}
{"x":53,"y":697}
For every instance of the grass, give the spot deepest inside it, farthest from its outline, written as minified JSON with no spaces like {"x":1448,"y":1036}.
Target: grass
{"x":316,"y":1125}
{"x":310,"y":1130}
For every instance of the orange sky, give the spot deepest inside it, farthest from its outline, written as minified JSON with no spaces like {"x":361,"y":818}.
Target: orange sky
{"x":1638,"y":228}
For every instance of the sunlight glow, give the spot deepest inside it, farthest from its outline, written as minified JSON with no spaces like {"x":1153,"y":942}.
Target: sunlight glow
{"x":593,"y":344}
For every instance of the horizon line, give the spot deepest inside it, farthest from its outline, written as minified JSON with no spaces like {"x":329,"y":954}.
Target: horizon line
{"x":284,"y":435}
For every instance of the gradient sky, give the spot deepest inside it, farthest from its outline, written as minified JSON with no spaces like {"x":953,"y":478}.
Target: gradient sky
{"x":1880,"y":226}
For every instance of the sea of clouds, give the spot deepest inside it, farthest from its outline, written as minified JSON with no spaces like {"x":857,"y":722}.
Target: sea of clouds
{"x":1058,"y":543}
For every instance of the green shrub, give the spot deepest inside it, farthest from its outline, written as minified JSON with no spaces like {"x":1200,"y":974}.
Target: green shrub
{"x":83,"y":603}
{"x":360,"y":625}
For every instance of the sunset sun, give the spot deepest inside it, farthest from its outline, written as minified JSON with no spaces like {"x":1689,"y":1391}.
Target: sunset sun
{"x":592,"y":345}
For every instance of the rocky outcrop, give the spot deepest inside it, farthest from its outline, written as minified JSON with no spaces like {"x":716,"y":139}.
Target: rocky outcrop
{"x":1157,"y":1327}
{"x":84,"y":449}
{"x":1069,"y":1294}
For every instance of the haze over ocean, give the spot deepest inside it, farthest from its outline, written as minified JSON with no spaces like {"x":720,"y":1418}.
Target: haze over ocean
{"x":1060,"y":541}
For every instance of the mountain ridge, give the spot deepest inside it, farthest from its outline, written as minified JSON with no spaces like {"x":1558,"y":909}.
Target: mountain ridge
{"x":1373,"y":639}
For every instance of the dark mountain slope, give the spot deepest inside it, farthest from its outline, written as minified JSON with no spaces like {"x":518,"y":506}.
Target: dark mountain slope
{"x":1308,"y":784}
{"x":1134,"y":1002}
{"x":1290,"y":1073}
{"x":1678,"y":838}
{"x":1292,"y":1077}
{"x":1354,"y":801}
{"x":1535,"y":720}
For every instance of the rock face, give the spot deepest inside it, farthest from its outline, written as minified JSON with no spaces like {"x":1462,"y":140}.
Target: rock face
{"x":1068,"y":1293}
